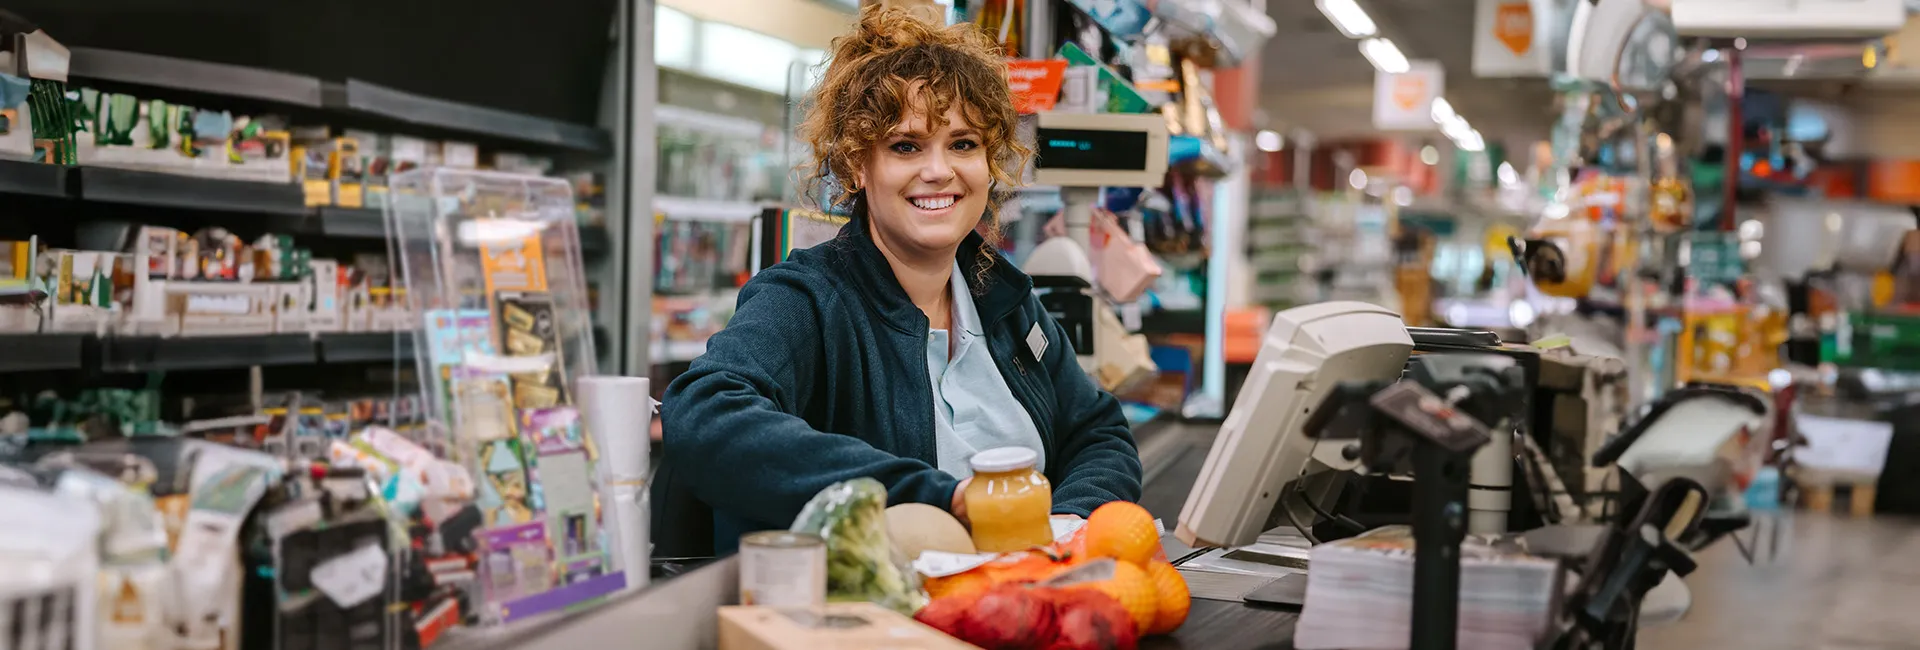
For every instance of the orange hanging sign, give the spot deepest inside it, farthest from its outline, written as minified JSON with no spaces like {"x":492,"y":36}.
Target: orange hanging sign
{"x":1409,"y":90}
{"x":1513,"y":26}
{"x":1035,"y":84}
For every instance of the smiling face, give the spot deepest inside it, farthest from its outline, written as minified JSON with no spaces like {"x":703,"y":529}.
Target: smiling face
{"x":926,"y":185}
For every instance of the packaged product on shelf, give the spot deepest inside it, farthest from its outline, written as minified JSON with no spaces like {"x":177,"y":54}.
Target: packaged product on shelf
{"x":258,"y":150}
{"x":348,"y":172}
{"x":85,"y":295}
{"x":406,"y":153}
{"x":376,"y":161}
{"x":309,"y":164}
{"x":16,"y":121}
{"x":520,"y":163}
{"x":460,"y":155}
{"x":20,"y":286}
{"x":326,"y":292}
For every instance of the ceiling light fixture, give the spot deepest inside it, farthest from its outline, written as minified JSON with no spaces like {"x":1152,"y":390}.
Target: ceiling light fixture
{"x":1269,"y":141}
{"x":1473,"y":142}
{"x":1384,"y":56}
{"x":1348,"y":17}
{"x":1442,"y":111}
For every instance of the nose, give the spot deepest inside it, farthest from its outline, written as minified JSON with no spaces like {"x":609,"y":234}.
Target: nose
{"x":938,"y":169}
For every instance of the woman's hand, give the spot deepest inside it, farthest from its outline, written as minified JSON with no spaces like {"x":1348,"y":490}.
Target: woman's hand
{"x":959,"y":505}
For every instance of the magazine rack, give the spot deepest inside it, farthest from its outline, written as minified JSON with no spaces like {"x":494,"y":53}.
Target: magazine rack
{"x":492,"y":261}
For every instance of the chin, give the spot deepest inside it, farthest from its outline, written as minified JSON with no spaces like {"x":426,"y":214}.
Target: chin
{"x":938,"y":231}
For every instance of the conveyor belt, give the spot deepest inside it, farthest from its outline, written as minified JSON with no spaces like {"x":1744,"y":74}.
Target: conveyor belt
{"x":1173,"y":454}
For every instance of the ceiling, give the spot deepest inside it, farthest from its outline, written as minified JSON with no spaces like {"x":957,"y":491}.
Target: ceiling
{"x":1314,"y":78}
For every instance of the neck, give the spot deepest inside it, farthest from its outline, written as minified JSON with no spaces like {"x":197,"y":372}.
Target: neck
{"x":925,"y":277}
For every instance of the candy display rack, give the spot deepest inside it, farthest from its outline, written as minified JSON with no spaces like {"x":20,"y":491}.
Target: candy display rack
{"x":494,"y":268}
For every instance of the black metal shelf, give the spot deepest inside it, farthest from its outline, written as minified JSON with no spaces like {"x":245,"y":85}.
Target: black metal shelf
{"x":359,"y":347}
{"x":30,"y":352}
{"x":158,"y":189}
{"x":147,"y":353}
{"x":200,"y":77}
{"x":352,"y":223}
{"x":353,"y":97}
{"x":363,"y":98}
{"x":34,"y":179}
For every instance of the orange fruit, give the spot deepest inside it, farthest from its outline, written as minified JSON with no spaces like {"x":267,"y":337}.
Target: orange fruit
{"x":1134,"y":590}
{"x":1122,"y":531}
{"x":1170,"y":592}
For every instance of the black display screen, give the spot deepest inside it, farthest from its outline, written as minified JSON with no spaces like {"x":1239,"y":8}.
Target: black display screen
{"x":1091,"y":149}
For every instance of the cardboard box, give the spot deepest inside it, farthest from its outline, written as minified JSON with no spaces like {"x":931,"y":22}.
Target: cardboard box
{"x":843,"y":626}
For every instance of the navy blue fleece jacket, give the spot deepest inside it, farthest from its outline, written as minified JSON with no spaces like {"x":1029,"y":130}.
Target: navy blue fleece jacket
{"x":821,"y":377}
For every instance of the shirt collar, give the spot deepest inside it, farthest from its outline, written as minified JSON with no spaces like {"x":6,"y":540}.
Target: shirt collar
{"x":965,"y":316}
{"x":1006,"y":286}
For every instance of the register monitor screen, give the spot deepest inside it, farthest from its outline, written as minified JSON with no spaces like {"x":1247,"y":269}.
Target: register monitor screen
{"x":1100,"y":150}
{"x":1261,"y":446}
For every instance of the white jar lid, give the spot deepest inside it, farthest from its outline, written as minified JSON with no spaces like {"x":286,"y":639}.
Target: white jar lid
{"x":1004,"y":459}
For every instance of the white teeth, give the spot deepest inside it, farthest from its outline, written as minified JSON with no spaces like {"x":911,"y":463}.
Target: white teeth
{"x":940,"y":203}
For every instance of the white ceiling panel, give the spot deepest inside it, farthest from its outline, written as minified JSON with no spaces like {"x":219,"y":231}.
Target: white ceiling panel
{"x":1314,"y":78}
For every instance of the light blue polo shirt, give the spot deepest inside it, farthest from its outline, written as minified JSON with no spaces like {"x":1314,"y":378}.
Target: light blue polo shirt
{"x":973,"y":410}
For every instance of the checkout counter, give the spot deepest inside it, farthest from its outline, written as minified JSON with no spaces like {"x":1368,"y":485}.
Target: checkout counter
{"x":1224,"y":486}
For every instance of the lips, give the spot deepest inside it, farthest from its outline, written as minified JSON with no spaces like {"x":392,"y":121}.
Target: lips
{"x":933,"y":203}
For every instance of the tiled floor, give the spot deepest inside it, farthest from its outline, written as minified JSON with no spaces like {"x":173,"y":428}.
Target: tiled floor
{"x":1837,"y":584}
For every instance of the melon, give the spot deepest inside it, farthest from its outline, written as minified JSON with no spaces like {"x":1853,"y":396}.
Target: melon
{"x":917,"y":527}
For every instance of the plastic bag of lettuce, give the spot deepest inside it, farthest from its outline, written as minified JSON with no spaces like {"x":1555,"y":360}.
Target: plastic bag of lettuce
{"x":861,"y":563}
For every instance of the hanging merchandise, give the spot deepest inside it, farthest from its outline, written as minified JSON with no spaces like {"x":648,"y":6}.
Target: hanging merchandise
{"x":1004,"y":21}
{"x":1561,"y":256}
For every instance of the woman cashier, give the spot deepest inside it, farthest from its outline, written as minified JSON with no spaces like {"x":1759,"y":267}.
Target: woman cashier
{"x":906,"y":344}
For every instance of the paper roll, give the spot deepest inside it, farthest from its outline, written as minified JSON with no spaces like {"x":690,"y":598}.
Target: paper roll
{"x":632,"y":546}
{"x":618,"y":412}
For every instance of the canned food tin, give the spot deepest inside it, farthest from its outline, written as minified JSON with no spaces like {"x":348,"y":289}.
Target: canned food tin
{"x":783,"y":569}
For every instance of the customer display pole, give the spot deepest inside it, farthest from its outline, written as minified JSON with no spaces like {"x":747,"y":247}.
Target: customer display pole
{"x":1434,"y":420}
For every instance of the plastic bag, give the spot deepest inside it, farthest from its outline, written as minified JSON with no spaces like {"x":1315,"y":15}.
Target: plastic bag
{"x":861,"y":563}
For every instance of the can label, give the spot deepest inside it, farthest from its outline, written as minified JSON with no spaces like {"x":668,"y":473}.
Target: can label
{"x":783,"y":575}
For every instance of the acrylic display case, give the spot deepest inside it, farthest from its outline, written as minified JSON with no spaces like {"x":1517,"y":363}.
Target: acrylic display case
{"x":494,"y":267}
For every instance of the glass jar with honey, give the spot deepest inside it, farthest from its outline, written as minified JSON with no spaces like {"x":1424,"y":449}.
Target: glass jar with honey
{"x":1009,"y":502}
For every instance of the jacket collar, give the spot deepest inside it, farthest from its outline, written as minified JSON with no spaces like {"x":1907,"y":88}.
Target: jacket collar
{"x":1006,"y":287}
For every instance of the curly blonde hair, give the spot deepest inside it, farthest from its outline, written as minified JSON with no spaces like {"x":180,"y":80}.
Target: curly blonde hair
{"x":891,"y":65}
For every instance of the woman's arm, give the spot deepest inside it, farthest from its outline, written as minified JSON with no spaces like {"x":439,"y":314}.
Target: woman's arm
{"x":729,"y":426}
{"x":1096,"y":457}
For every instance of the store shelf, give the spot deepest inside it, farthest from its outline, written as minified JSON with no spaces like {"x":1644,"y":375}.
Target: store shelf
{"x":354,"y":347}
{"x":203,"y":77}
{"x":688,"y":209}
{"x":142,"y":354}
{"x":189,"y":192}
{"x":663,"y":352}
{"x":360,"y":97}
{"x":352,"y":223}
{"x":35,"y":179}
{"x":28,"y":352}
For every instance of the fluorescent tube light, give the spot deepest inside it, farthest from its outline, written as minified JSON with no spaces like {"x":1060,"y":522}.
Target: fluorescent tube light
{"x":1443,"y":111}
{"x":1348,"y":17}
{"x":1384,"y":56}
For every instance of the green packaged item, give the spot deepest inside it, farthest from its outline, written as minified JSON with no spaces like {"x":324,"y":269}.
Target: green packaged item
{"x":1122,"y":97}
{"x":861,"y":564}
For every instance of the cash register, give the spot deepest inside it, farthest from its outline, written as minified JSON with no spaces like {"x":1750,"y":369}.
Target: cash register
{"x":1339,"y":387}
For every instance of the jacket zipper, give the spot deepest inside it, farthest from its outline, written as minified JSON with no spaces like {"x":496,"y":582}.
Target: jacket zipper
{"x":1043,"y":426}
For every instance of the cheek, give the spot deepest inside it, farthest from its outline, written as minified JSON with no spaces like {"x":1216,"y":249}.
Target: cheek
{"x":975,"y":172}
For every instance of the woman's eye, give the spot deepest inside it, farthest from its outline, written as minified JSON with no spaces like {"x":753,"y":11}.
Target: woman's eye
{"x":904,"y":147}
{"x":965,"y":145}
